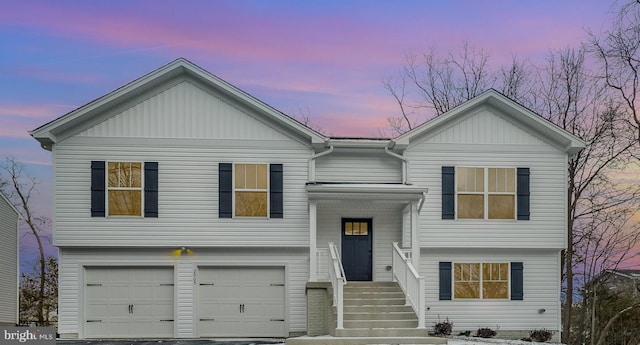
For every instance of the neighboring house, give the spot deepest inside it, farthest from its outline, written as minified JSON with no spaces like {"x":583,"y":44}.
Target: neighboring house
{"x":619,"y":280}
{"x":184,"y":207}
{"x":9,"y":260}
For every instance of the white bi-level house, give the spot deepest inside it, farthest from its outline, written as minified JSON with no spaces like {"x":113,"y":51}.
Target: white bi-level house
{"x":185,"y":208}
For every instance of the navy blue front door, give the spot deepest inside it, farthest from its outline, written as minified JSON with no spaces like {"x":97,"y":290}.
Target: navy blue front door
{"x":356,"y":248}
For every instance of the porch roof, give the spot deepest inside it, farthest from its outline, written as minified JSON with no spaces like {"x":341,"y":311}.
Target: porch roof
{"x":365,"y":191}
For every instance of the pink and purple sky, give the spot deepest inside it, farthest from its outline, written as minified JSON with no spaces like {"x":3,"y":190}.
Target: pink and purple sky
{"x":326,"y":58}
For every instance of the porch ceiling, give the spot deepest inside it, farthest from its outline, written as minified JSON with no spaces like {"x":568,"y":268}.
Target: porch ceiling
{"x":365,"y":191}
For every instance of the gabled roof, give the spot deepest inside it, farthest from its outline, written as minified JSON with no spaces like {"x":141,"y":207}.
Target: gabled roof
{"x":74,"y":121}
{"x":564,"y":140}
{"x":626,"y":273}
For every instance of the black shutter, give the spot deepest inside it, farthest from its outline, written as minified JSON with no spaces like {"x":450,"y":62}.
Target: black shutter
{"x":275,"y":191}
{"x":97,"y":189}
{"x":523,"y":194}
{"x":225,"y":190}
{"x":517,"y":281}
{"x":151,"y":189}
{"x":448,"y":192}
{"x":445,"y":281}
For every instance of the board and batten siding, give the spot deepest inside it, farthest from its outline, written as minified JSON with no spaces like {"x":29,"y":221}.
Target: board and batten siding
{"x":486,"y":139}
{"x":9,"y":266}
{"x":73,"y":263}
{"x":363,"y":166}
{"x":185,"y":110}
{"x":541,"y":291}
{"x":187,"y":194}
{"x":387,"y":228}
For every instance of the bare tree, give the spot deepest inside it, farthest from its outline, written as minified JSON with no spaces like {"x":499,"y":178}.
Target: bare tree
{"x":21,"y":188}
{"x":397,"y":88}
{"x":303,"y":115}
{"x":618,"y":53}
{"x":30,"y":293}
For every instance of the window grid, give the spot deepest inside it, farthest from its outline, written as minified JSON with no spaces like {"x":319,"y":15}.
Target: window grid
{"x":118,"y":201}
{"x":488,"y":191}
{"x":487,"y":272}
{"x":250,"y":187}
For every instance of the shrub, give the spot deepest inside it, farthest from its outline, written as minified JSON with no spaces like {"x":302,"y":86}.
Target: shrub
{"x":540,"y":335}
{"x":485,"y":333}
{"x":443,"y":328}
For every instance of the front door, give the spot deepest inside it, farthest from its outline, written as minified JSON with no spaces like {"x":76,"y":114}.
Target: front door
{"x":356,"y":248}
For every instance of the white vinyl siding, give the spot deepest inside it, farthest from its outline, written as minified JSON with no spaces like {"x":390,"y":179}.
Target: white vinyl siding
{"x":359,"y":166}
{"x":187,"y":194}
{"x":545,"y":228}
{"x":72,"y":261}
{"x":9,"y":267}
{"x":482,"y":144}
{"x":386,"y":228}
{"x":541,"y":291}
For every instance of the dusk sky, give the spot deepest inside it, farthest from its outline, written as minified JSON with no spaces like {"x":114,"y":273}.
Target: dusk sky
{"x":326,"y":58}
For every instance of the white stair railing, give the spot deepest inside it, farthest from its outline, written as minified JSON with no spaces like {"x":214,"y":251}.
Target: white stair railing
{"x":338,"y":281}
{"x":410,"y":282}
{"x":323,"y":264}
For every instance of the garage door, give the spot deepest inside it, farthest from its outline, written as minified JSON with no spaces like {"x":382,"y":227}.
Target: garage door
{"x":128,"y":302}
{"x":241,"y":302}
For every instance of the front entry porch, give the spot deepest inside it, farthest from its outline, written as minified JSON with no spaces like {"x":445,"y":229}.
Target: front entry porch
{"x":363,"y":240}
{"x":362,"y":215}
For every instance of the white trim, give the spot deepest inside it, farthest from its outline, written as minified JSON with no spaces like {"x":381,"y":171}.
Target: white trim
{"x":47,"y":134}
{"x":107,"y":188}
{"x":486,"y":193}
{"x":234,"y":264}
{"x":481,"y":263}
{"x":267,"y":190}
{"x":566,"y":141}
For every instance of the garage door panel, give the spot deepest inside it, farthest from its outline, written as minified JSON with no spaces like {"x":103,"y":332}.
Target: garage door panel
{"x":241,"y":301}
{"x":129,"y":302}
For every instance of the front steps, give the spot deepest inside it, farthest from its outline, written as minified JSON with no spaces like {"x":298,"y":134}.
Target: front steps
{"x":374,"y":313}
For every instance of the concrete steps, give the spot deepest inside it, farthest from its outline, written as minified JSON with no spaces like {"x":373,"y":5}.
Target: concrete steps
{"x":377,"y":310}
{"x":374,"y":314}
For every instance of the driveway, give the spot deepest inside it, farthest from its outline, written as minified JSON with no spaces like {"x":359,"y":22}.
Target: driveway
{"x":171,"y":342}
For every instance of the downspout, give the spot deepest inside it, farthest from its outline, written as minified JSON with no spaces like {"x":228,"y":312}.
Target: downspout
{"x":312,"y":163}
{"x":405,"y":163}
{"x":424,"y":196}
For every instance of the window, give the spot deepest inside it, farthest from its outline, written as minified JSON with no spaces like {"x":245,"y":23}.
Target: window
{"x":251,"y":190}
{"x":356,"y":228}
{"x":481,"y":281}
{"x":486,"y":193}
{"x":124,"y":186}
{"x":243,"y":190}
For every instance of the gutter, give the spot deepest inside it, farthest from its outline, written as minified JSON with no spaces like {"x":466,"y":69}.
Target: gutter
{"x":312,"y":163}
{"x":405,"y":164}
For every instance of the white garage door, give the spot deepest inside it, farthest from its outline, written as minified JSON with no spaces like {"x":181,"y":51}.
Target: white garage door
{"x":128,"y":302}
{"x":241,"y":302}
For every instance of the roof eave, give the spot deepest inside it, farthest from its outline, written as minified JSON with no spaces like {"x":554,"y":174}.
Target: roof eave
{"x":48,"y":133}
{"x":565,"y":141}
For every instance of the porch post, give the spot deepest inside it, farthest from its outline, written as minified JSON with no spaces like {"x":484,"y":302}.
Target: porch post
{"x":415,"y":236}
{"x":313,"y":274}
